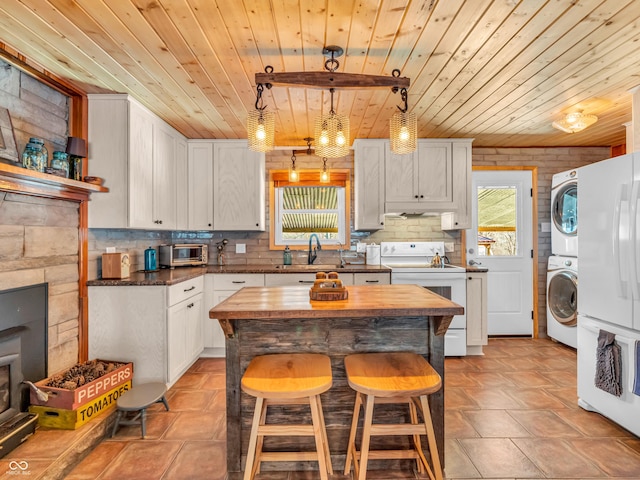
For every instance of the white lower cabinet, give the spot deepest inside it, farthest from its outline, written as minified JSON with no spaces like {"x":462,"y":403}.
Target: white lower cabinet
{"x":218,"y":287}
{"x":158,"y":328}
{"x":476,"y":312}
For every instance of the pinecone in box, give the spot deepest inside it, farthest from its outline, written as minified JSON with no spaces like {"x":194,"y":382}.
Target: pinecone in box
{"x":82,"y":373}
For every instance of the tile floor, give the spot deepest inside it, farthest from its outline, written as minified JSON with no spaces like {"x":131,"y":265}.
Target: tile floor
{"x":509,"y":414}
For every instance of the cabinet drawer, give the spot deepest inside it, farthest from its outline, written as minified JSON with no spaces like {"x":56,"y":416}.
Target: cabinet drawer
{"x":183,"y":290}
{"x":299,"y":279}
{"x":234,"y":281}
{"x":371,"y":278}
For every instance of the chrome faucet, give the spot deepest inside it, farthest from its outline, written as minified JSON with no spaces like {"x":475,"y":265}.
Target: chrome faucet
{"x":312,"y":256}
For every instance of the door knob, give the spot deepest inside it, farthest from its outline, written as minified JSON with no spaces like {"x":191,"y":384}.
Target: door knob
{"x":473,"y":262}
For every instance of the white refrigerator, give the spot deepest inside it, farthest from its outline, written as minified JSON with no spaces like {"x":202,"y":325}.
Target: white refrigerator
{"x":609,"y":281}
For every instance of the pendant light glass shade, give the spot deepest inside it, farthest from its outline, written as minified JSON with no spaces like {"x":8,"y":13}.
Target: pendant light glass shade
{"x":574,"y":122}
{"x":260,"y":130}
{"x":403,"y":132}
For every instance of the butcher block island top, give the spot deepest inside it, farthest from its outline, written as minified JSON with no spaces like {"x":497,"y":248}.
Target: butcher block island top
{"x":374,"y":318}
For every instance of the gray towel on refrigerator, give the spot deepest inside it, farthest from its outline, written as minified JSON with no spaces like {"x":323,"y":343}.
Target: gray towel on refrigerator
{"x":608,"y":364}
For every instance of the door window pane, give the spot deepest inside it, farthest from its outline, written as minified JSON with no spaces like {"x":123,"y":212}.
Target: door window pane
{"x":497,"y":209}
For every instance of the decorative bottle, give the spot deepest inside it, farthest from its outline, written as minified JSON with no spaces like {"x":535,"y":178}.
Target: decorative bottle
{"x":286,"y":256}
{"x":150,"y":263}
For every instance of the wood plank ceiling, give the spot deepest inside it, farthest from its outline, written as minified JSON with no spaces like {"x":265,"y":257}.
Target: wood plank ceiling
{"x":498,"y":71}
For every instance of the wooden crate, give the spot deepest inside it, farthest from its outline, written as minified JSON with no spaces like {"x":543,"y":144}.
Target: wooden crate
{"x":71,"y":419}
{"x":74,"y":399}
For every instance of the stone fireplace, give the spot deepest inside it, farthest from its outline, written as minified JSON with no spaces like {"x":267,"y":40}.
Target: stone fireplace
{"x":39,"y":244}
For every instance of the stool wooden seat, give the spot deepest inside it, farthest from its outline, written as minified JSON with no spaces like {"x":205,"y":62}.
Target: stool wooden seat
{"x":287,"y":379}
{"x":390,"y":378}
{"x":137,"y":400}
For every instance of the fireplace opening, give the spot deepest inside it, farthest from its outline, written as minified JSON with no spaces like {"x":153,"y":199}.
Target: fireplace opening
{"x":23,"y":357}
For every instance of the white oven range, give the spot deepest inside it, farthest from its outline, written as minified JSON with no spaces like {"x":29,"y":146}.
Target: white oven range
{"x":410,"y":263}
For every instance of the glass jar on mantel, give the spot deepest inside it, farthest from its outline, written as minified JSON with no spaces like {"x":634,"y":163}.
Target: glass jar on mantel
{"x":60,"y":163}
{"x":33,"y":158}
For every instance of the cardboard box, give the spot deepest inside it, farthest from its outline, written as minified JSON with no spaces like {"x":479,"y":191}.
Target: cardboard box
{"x":73,"y":399}
{"x":115,"y":265}
{"x":72,"y":419}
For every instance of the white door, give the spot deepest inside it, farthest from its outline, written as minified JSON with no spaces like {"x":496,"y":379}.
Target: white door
{"x":501,"y":240}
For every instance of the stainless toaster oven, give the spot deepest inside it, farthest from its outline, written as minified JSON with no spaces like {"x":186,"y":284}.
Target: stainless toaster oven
{"x":183,"y":255}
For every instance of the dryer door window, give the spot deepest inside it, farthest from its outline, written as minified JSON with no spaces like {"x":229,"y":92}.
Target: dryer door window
{"x":565,"y":209}
{"x":562,"y":297}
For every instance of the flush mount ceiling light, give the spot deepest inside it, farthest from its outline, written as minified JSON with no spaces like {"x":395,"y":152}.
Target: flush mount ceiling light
{"x":260,"y":125}
{"x":575,"y":122}
{"x":403,"y":128}
{"x":332,"y":130}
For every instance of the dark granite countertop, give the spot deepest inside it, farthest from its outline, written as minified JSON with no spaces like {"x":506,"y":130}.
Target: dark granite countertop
{"x":476,"y":269}
{"x":166,"y":276}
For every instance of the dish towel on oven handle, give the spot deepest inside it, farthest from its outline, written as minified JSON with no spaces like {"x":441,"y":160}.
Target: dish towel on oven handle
{"x":608,"y":364}
{"x":636,"y":366}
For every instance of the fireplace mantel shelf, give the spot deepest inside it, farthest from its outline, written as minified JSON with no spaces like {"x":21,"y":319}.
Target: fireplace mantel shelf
{"x":21,"y":180}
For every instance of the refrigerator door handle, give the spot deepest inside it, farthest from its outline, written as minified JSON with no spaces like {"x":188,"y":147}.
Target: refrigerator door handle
{"x":621,"y":196}
{"x":633,"y":212}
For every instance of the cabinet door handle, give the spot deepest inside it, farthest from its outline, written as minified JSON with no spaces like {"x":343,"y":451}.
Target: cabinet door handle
{"x":416,"y":196}
{"x":189,"y":289}
{"x":238,"y":281}
{"x":306,"y":281}
{"x":372,"y":281}
{"x":190,"y":305}
{"x":421,"y":196}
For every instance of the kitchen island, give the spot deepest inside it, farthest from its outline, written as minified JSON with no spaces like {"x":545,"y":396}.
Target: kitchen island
{"x":374,"y":318}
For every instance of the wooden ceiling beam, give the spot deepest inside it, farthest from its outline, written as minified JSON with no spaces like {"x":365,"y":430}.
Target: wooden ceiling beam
{"x":324,"y":80}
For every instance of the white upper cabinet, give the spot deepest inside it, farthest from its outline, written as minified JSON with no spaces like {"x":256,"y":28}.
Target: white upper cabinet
{"x":138,"y":155}
{"x":434,"y":178}
{"x":200,"y":185}
{"x":238,"y":187}
{"x":369,"y":177}
{"x":226,"y":186}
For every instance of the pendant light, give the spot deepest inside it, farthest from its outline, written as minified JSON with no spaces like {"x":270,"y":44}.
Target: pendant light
{"x":403,"y":128}
{"x":325,"y":177}
{"x":294,"y":175}
{"x":332,"y":132}
{"x":260,"y":125}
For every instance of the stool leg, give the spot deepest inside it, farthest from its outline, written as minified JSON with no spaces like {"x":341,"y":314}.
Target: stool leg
{"x":164,"y":401}
{"x":366,"y":437}
{"x":251,"y":450}
{"x":416,"y":438}
{"x":117,"y":423}
{"x":324,"y":435}
{"x":431,"y":437}
{"x":351,"y":446}
{"x":260,"y":441}
{"x":321,"y":449}
{"x":143,"y":422}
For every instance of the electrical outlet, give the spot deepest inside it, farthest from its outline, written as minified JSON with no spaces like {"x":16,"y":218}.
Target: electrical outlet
{"x":241,"y":248}
{"x":449,"y":246}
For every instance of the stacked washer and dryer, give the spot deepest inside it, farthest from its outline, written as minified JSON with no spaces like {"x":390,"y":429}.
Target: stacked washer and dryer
{"x":562,"y":271}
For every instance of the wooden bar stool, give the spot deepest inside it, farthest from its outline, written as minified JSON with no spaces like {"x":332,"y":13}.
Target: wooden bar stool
{"x":287,"y":379}
{"x":392,"y":378}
